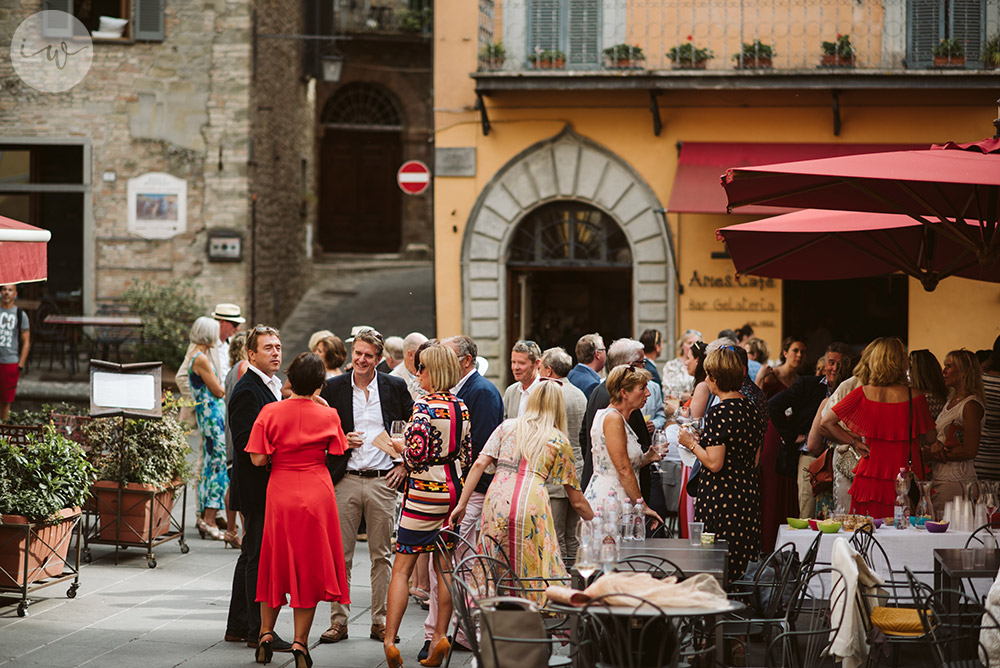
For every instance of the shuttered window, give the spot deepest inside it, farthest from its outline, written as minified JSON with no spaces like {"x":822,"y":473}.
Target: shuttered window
{"x":149,"y":20}
{"x":570,"y":26}
{"x":145,"y":18}
{"x":930,"y":21}
{"x":57,"y":25}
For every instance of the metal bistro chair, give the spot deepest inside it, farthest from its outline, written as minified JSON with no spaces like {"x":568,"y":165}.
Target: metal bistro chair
{"x":658,"y":567}
{"x":812,"y":622}
{"x":953,"y":620}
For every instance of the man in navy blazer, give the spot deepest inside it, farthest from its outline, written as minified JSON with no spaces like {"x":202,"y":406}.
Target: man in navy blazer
{"x":366,"y":478}
{"x":248,"y":487}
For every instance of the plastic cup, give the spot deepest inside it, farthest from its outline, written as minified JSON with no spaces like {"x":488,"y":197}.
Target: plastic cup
{"x":694,"y":532}
{"x":968,"y":559}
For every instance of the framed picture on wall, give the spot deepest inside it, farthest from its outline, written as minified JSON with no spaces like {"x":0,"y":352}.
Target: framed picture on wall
{"x":157,"y":205}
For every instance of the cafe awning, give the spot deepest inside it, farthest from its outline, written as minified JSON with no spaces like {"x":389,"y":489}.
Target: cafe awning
{"x":23,"y":257}
{"x":700,"y":166}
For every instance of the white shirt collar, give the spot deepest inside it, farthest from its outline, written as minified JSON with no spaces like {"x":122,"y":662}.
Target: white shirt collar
{"x":460,"y":384}
{"x":273,"y":382}
{"x":374,"y":381}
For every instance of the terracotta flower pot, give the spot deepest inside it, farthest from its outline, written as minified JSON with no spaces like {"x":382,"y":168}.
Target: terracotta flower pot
{"x":493,"y":64}
{"x":688,"y":65}
{"x":751,"y":63}
{"x":139,"y":502}
{"x":46,"y":555}
{"x":835,"y":60}
{"x":946,"y":61}
{"x":559,"y":63}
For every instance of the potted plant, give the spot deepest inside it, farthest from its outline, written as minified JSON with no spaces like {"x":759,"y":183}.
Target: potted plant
{"x":991,"y":53}
{"x":558,"y":59}
{"x":42,"y":488}
{"x":492,"y":57}
{"x":839,"y":53}
{"x":949,"y":53}
{"x":624,"y":56}
{"x":150,"y":464}
{"x":540,"y":59}
{"x":754,"y":55}
{"x":687,"y":56}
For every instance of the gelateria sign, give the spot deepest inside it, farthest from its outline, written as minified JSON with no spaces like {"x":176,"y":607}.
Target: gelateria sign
{"x":748,"y":294}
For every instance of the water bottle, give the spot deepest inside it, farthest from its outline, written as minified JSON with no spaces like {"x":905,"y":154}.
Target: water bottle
{"x":902,"y":506}
{"x":626,"y":520}
{"x":609,"y":545}
{"x":639,"y":521}
{"x":586,"y":533}
{"x":612,"y":507}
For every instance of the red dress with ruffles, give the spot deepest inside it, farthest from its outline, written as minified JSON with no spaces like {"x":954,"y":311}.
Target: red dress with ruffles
{"x":887,"y":430}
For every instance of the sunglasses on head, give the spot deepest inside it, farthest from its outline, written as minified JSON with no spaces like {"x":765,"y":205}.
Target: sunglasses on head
{"x":373,"y":332}
{"x":420,"y":367}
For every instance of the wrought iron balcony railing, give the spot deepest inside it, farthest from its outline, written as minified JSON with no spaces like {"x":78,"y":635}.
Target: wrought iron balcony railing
{"x":589,"y":35}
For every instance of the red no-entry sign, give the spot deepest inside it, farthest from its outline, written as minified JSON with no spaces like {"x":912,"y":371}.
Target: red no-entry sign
{"x":413,"y":177}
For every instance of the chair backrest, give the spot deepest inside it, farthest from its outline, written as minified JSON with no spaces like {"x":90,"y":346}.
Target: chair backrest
{"x":990,"y":528}
{"x":487,"y":576}
{"x":773,"y":581}
{"x":636,"y":634}
{"x":871,"y":550}
{"x":495,"y":548}
{"x":447,"y":558}
{"x":954,"y":621}
{"x":658,"y":567}
{"x":812,"y":624}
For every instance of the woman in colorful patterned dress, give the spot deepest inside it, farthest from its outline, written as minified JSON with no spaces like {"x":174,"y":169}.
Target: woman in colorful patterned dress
{"x":527,"y":452}
{"x":210,"y":413}
{"x":438,"y":446}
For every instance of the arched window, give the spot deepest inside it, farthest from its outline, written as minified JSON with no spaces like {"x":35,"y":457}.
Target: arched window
{"x":569,"y":234}
{"x":361,"y":106}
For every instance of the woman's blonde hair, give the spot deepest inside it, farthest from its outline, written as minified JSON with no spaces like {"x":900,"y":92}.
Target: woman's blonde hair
{"x":544,"y":414}
{"x":441,"y":365}
{"x":885,"y":364}
{"x":316,"y":337}
{"x":726,"y":368}
{"x":757,"y":348}
{"x":625,"y":377}
{"x":205,"y":332}
{"x":972,"y":374}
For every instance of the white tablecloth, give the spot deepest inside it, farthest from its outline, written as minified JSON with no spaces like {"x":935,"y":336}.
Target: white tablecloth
{"x":910,"y":547}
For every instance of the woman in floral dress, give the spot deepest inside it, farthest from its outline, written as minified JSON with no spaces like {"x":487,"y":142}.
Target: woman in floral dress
{"x":210,"y":414}
{"x":527,"y":452}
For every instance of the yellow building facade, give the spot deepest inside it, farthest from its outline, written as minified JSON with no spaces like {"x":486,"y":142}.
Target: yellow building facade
{"x":586,"y":198}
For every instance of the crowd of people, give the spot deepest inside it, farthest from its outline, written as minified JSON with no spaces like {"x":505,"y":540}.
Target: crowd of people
{"x":401,"y":438}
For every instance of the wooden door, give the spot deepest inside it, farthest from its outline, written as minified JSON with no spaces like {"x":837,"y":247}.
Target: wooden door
{"x":360,"y":205}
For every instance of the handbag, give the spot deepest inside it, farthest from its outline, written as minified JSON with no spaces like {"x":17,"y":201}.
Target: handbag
{"x":821,"y":473}
{"x":504,"y":622}
{"x":849,"y":458}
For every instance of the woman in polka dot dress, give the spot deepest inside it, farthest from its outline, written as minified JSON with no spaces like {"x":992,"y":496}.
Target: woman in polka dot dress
{"x":728,"y":486}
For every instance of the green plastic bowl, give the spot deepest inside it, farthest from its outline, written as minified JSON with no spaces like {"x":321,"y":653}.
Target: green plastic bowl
{"x":829,"y":527}
{"x":796,"y":523}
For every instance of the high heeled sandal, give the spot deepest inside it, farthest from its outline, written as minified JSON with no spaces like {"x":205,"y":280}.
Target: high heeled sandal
{"x":232,"y":540}
{"x":438,"y":654}
{"x":205,"y":529}
{"x":302,"y":659}
{"x":393,"y":658}
{"x":265,"y":650}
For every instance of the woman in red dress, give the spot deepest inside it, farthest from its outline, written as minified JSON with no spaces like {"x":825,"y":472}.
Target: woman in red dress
{"x":301,"y":555}
{"x":882,"y":417}
{"x":779,"y":492}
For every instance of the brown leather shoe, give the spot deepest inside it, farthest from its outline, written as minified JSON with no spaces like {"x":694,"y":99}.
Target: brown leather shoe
{"x":336,"y":633}
{"x":378,"y":633}
{"x":235,"y":637}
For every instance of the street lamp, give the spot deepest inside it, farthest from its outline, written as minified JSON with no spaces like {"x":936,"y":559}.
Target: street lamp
{"x":333,"y":67}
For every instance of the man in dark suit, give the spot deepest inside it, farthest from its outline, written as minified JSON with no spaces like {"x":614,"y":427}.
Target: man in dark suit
{"x":622,"y":351}
{"x":368,"y":402}
{"x":248,"y":487}
{"x":803,"y":398}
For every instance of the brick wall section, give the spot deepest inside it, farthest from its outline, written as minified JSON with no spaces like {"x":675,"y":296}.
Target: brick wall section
{"x":185,"y":106}
{"x":282,"y":134}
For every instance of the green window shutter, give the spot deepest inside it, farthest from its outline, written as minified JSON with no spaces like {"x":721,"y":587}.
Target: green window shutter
{"x":543,"y":25}
{"x":925,"y":28}
{"x":583,"y":34}
{"x":968,"y":17}
{"x":57,"y":25}
{"x":148,"y":20}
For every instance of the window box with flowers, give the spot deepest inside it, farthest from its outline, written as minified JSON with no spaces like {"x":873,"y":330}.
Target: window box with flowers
{"x":949,"y":53}
{"x":689,"y":57}
{"x":492,"y":57}
{"x":754,"y":55}
{"x":839,"y":53}
{"x":624,"y":57}
{"x":991,"y":53}
{"x":547,"y":59}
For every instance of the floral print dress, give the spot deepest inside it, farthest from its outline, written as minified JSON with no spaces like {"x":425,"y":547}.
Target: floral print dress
{"x":516,"y":511}
{"x":210,"y":414}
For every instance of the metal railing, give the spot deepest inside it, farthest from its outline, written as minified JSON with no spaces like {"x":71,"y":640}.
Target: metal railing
{"x":384,"y":16}
{"x":518,"y":35}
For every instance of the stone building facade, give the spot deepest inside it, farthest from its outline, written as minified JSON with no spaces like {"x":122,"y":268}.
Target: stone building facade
{"x":203,"y":103}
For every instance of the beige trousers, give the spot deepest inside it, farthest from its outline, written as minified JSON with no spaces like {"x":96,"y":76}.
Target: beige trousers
{"x":372,"y":499}
{"x":807,"y":502}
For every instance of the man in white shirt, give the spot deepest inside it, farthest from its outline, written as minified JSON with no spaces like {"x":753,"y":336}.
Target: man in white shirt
{"x":366,"y":478}
{"x":406,"y":371}
{"x":524,"y":360}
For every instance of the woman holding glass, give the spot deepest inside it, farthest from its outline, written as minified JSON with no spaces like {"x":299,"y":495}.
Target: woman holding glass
{"x":436,"y":447}
{"x":728,"y":501}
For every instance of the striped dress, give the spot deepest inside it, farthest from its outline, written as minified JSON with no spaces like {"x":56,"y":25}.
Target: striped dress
{"x":988,"y":459}
{"x":438,"y":448}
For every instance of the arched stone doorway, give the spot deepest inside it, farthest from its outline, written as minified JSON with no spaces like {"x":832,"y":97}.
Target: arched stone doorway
{"x":360,"y":206}
{"x":572,"y":177}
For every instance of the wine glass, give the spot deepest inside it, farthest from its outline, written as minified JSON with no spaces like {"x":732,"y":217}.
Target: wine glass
{"x":586,"y":561}
{"x":683,"y":416}
{"x":660,"y":443}
{"x":696,"y":426}
{"x":989,"y":498}
{"x":397,"y":434}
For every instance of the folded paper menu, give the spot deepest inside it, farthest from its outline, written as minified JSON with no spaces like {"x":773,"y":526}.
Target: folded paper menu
{"x":384,"y":443}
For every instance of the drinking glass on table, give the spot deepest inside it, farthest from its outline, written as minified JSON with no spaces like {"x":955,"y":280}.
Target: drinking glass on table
{"x":586,"y":561}
{"x":397,"y":435}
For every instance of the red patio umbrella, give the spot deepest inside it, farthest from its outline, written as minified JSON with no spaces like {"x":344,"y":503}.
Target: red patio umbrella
{"x":22,"y":252}
{"x":828,"y":245}
{"x":954,"y":187}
